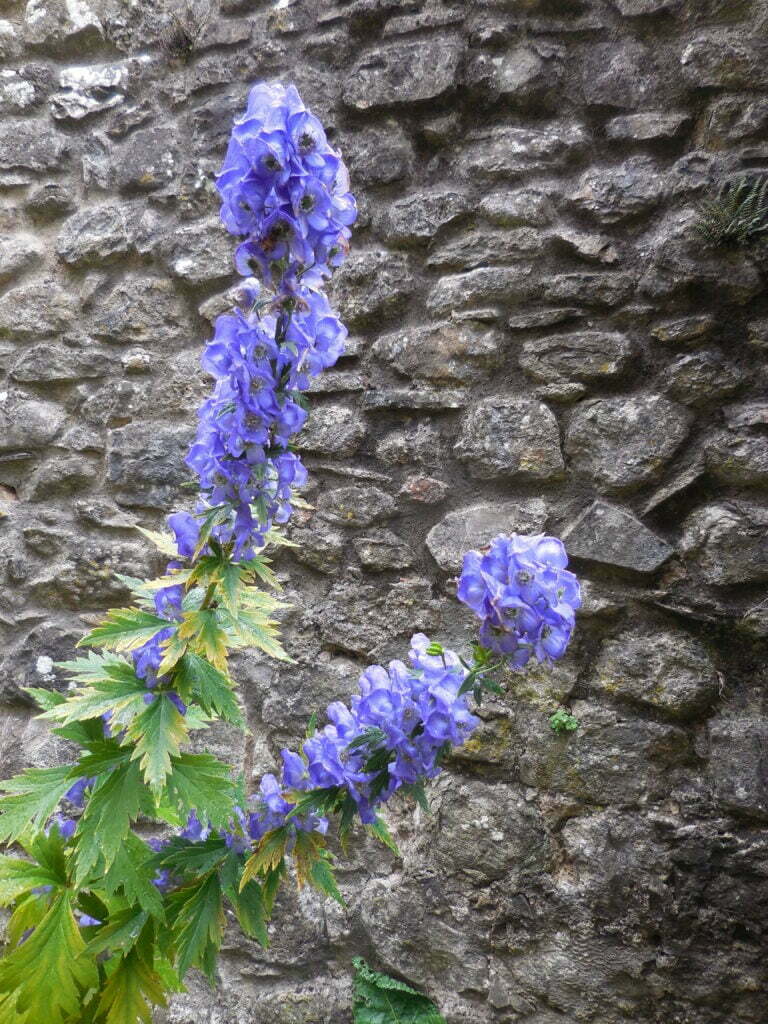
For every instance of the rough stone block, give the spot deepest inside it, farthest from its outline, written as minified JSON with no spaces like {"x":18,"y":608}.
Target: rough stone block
{"x":447,"y":353}
{"x":468,"y":529}
{"x":515,"y":438}
{"x":610,"y":535}
{"x":405,"y":72}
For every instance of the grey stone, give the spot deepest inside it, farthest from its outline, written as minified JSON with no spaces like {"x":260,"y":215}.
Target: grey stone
{"x":383,"y":550}
{"x":737,"y":458}
{"x":730,"y":119}
{"x":476,"y":287}
{"x":738,"y":767}
{"x":418,"y":217}
{"x":200,"y":254}
{"x":607,"y":289}
{"x":500,"y":153}
{"x":648,"y":126}
{"x":512,"y":208}
{"x":623,"y":443}
{"x":371,"y":284}
{"x":49,"y":201}
{"x":445,"y":354}
{"x":757,"y":334}
{"x":473,"y":527}
{"x":405,"y":72}
{"x":145,"y":463}
{"x":439,"y":399}
{"x":332,"y":430}
{"x":61,"y":26}
{"x":666,"y":670}
{"x":589,"y":247}
{"x":330,"y":383}
{"x":20,"y":92}
{"x":701,"y":377}
{"x":11,"y":46}
{"x":610,"y":535}
{"x":726,"y":543}
{"x":149,"y":160}
{"x":89,"y":90}
{"x":27,"y":422}
{"x":515,"y":438}
{"x":614,"y":194}
{"x":525,"y":76}
{"x":96,"y":234}
{"x":621,"y":74}
{"x":585,"y":356}
{"x":479,"y":248}
{"x":723,"y":61}
{"x":320,"y":547}
{"x":378,"y":156}
{"x":18,"y":253}
{"x":356,"y":505}
{"x":425,"y":490}
{"x":678,"y":266}
{"x":748,"y":414}
{"x":639,"y":8}
{"x":688,"y":332}
{"x":39,"y":308}
{"x":540,"y":318}
{"x":420,"y":443}
{"x":143,"y":311}
{"x":51,"y":364}
{"x":29,"y":146}
{"x":755,"y":620}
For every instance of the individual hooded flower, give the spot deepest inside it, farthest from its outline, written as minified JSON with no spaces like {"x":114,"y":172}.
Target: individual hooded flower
{"x":524,"y":595}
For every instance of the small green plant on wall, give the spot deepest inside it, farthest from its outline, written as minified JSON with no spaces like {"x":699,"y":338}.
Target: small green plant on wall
{"x":379,"y":999}
{"x":738,"y":215}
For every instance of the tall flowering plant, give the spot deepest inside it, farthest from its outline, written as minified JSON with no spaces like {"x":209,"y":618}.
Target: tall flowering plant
{"x":126,"y":859}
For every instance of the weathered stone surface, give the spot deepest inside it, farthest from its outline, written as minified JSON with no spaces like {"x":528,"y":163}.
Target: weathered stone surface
{"x":11,"y":45}
{"x":405,"y":72}
{"x":590,"y":247}
{"x":145,"y":463}
{"x":604,"y":290}
{"x":669,"y":671}
{"x":421,"y":443}
{"x":620,"y":76}
{"x":356,"y":505}
{"x":514,"y":438}
{"x":614,"y":194}
{"x":149,"y":160}
{"x":611,"y":535}
{"x":200,"y":253}
{"x":97,"y":234}
{"x":62,"y":25}
{"x":730,"y":119}
{"x":417,"y":218}
{"x":382,"y":550}
{"x":476,"y":287}
{"x":332,"y":430}
{"x":500,"y":153}
{"x":89,"y":90}
{"x":701,"y":377}
{"x":447,"y":353}
{"x":378,"y":156}
{"x":623,"y":443}
{"x":20,"y":90}
{"x":738,"y":458}
{"x":40,"y":308}
{"x":725,"y":543}
{"x":690,"y":331}
{"x":17,"y":254}
{"x":647,"y":126}
{"x":371,"y":284}
{"x":43,"y":364}
{"x":426,"y":490}
{"x":26,"y":422}
{"x":586,"y":356}
{"x":737,"y":765}
{"x":470,"y":528}
{"x":723,"y":61}
{"x":639,"y":8}
{"x":512,"y":208}
{"x":49,"y":201}
{"x":320,"y":547}
{"x":143,"y":311}
{"x":479,"y":248}
{"x":28,"y":146}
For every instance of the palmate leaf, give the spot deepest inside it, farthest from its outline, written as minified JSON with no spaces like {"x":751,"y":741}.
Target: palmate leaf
{"x":120,"y":934}
{"x":125,"y":629}
{"x":132,"y":873}
{"x":103,"y":827}
{"x":122,"y":698}
{"x":197,"y":918}
{"x":203,"y":633}
{"x":183,"y":856}
{"x":30,"y":799}
{"x":18,"y":876}
{"x":248,"y":903}
{"x":268,"y":857}
{"x":157,"y":733}
{"x":197,"y":679}
{"x":46,"y":977}
{"x":131,"y":991}
{"x":164,"y":542}
{"x":252,"y":628}
{"x":379,"y":999}
{"x":201,"y":783}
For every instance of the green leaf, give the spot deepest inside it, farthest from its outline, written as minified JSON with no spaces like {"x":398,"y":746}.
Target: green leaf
{"x":158,"y":733}
{"x":132,"y":872}
{"x":19,"y":876}
{"x":201,"y":783}
{"x":163,"y":541}
{"x":102,"y":829}
{"x":253,"y":629}
{"x":322,"y":878}
{"x":45,"y":699}
{"x":125,"y":629}
{"x":198,"y":680}
{"x":123,"y":699}
{"x":131,"y":991}
{"x":120,"y":934}
{"x":202,"y":631}
{"x":269,"y":855}
{"x":31,"y":799}
{"x":197,"y":918}
{"x":46,"y":977}
{"x":184,"y":856}
{"x":382,"y":833}
{"x":248,"y":905}
{"x":379,"y":999}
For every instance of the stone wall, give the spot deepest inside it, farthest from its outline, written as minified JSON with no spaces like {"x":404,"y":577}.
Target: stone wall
{"x":540,"y":340}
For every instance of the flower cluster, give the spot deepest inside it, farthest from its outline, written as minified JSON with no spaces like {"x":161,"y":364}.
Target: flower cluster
{"x":286,"y":192}
{"x":524,"y":595}
{"x":285,"y":189}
